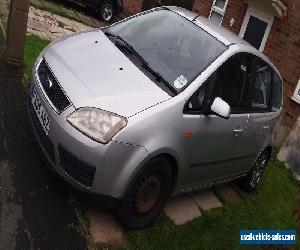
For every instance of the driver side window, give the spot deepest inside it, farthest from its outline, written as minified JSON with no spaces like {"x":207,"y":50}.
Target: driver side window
{"x":231,"y":82}
{"x":195,"y":103}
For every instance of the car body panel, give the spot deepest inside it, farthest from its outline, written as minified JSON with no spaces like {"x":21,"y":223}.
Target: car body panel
{"x":218,"y":152}
{"x":85,"y":78}
{"x":262,"y":126}
{"x":109,"y":169}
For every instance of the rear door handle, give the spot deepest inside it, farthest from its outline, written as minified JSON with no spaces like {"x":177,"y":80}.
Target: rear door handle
{"x":238,"y":131}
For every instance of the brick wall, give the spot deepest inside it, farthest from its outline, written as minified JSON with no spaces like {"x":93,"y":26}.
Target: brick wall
{"x":203,"y":7}
{"x":133,"y":6}
{"x":283,"y":48}
{"x":235,"y":9}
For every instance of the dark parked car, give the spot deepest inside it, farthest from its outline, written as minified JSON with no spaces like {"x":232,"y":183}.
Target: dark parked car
{"x":105,"y":9}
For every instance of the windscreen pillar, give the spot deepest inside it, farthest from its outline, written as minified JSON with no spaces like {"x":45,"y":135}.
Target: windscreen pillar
{"x":16,"y":31}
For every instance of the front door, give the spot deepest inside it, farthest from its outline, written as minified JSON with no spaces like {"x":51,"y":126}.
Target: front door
{"x":221,"y":148}
{"x":256,"y":28}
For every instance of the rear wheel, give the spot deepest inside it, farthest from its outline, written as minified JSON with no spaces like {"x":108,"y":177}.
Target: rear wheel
{"x":147,"y":195}
{"x":252,"y":179}
{"x":106,"y":10}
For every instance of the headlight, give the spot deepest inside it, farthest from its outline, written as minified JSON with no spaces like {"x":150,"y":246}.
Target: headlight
{"x":97,"y":124}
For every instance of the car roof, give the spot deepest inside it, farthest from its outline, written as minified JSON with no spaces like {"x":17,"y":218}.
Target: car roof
{"x":224,"y":35}
{"x":219,"y":32}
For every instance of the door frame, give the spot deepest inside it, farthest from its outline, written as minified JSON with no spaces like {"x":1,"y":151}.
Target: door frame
{"x":265,"y":17}
{"x":204,"y":167}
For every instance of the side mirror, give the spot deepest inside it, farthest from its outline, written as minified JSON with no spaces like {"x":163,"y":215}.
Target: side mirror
{"x":221,"y":108}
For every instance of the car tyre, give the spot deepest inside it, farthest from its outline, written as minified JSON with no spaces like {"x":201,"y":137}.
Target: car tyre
{"x":106,"y":10}
{"x":147,"y":195}
{"x":253,"y":178}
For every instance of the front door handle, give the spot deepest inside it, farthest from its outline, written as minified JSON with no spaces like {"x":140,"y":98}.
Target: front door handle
{"x":238,"y":131}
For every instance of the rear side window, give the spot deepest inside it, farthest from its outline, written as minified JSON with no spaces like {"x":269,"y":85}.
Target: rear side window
{"x":261,"y":86}
{"x":276,"y":92}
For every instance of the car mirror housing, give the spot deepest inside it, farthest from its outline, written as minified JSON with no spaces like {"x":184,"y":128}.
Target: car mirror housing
{"x":221,"y":108}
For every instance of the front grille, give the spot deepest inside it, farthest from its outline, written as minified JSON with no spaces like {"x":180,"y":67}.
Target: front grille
{"x":47,"y":144}
{"x":52,"y":88}
{"x":80,"y":171}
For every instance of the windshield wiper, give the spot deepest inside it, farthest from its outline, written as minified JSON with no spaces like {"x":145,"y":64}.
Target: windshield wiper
{"x":121,"y":42}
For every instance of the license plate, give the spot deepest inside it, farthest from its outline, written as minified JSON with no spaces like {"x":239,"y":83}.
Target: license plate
{"x":40,"y":111}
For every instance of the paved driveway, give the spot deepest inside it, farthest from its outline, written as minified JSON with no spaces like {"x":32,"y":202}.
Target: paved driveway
{"x":34,"y":208}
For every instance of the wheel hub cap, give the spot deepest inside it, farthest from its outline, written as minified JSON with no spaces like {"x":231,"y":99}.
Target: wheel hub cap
{"x":258,"y":170}
{"x":147,"y":193}
{"x":107,"y":12}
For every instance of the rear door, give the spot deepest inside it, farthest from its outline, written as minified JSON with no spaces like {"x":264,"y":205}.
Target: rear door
{"x":221,"y":147}
{"x":265,"y":104}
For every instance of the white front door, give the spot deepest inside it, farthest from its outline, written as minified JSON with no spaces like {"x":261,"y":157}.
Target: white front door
{"x":256,"y":27}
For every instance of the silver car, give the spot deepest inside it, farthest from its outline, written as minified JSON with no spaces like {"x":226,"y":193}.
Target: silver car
{"x":161,"y":103}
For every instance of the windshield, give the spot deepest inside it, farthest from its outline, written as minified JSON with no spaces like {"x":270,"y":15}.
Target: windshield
{"x":171,"y":45}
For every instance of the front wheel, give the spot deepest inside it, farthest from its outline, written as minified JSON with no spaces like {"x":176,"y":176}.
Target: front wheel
{"x":106,"y":10}
{"x":252,"y":179}
{"x":147,"y":195}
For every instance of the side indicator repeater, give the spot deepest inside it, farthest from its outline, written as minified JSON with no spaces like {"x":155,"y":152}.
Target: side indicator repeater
{"x":188,"y":134}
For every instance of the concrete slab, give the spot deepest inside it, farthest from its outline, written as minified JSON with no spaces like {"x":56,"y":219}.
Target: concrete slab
{"x":82,"y":27}
{"x":207,"y":200}
{"x":105,"y":229}
{"x":55,"y":29}
{"x":41,"y":15}
{"x":182,"y":209}
{"x":227,"y":193}
{"x":36,"y":25}
{"x":51,"y":26}
{"x":65,"y":23}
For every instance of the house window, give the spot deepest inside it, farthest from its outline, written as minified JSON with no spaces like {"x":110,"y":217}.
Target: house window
{"x":217,"y":11}
{"x":296,"y":96}
{"x":256,"y":28}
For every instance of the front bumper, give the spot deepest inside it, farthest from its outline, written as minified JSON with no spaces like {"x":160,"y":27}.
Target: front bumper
{"x":105,"y":170}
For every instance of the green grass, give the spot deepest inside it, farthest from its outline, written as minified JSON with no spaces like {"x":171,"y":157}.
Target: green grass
{"x":34,"y":46}
{"x":271,"y":207}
